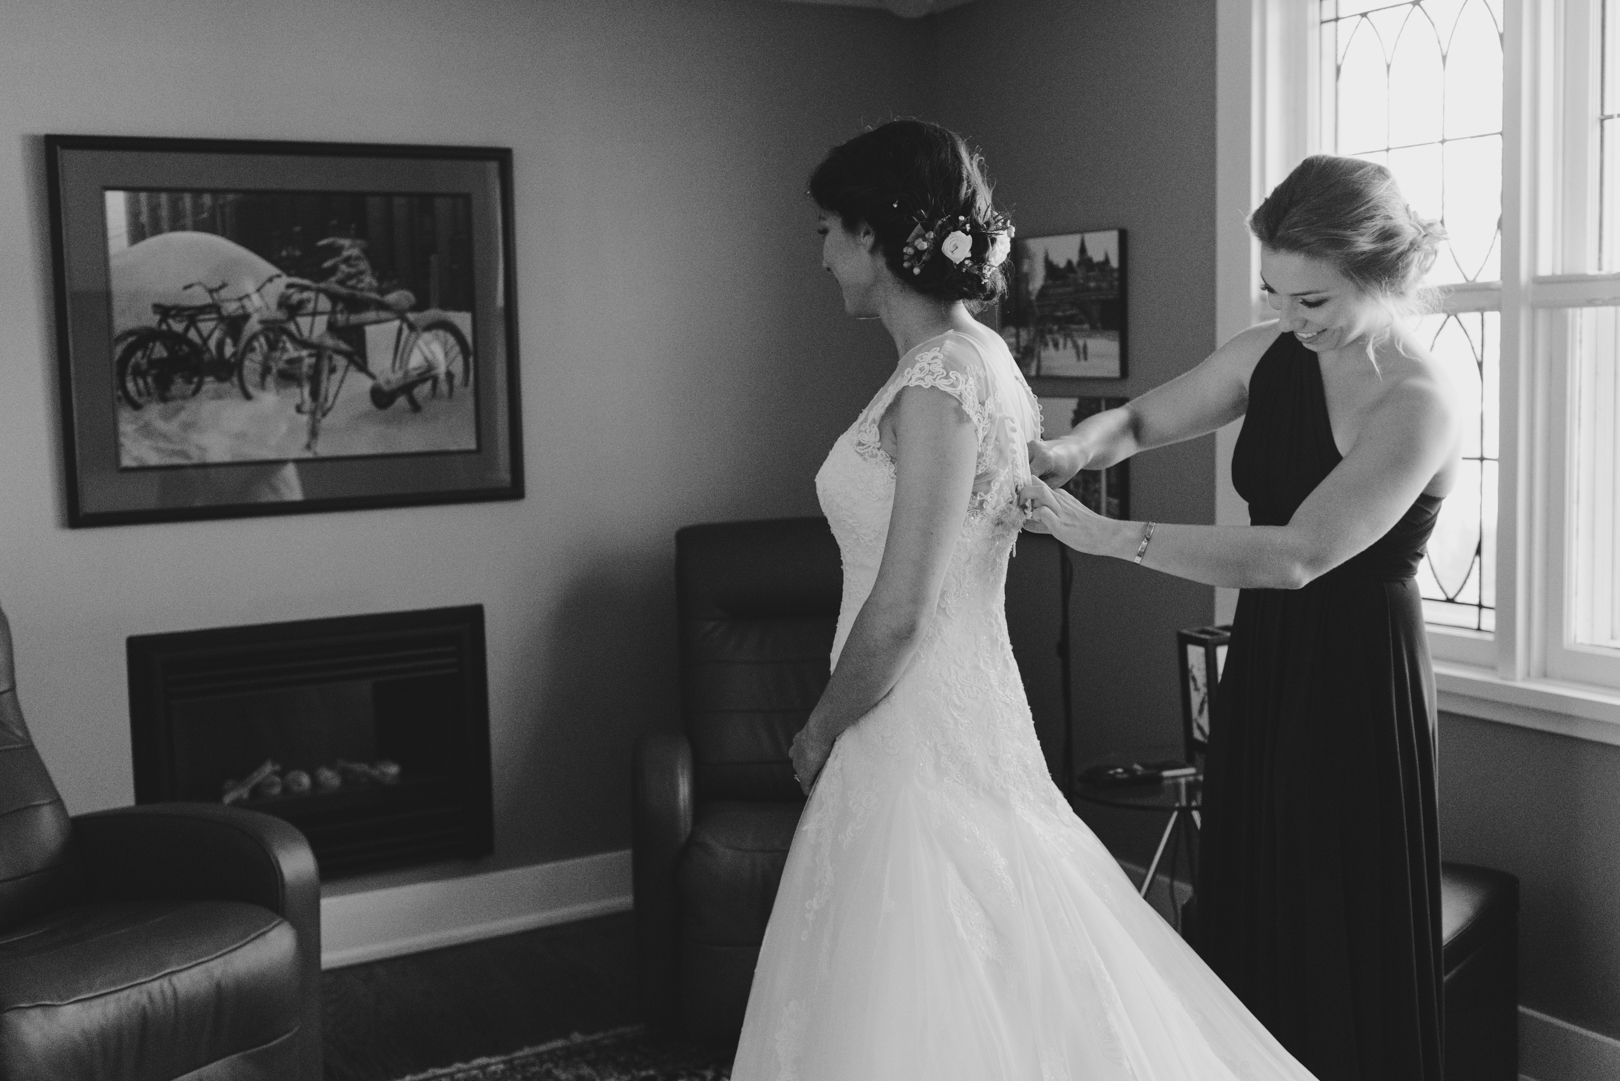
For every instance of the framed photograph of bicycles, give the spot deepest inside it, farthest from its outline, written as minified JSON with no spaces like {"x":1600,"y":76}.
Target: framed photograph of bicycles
{"x":269,"y":328}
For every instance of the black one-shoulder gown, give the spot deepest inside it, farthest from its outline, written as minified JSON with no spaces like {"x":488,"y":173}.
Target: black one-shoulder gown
{"x":1319,"y":884}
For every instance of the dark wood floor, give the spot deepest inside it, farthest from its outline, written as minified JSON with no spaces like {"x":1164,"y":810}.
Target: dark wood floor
{"x":392,"y":1018}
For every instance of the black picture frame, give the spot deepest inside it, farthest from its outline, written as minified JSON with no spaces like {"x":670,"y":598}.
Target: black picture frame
{"x":1200,"y":659}
{"x":252,"y":327}
{"x":1064,"y":315}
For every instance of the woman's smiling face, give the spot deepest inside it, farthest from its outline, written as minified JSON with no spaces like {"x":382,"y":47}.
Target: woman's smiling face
{"x":1317,"y":304}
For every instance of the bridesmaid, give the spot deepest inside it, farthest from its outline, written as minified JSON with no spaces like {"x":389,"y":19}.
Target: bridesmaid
{"x":1319,"y":890}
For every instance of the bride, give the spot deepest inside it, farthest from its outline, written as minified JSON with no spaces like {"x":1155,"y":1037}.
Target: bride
{"x":943,"y":913}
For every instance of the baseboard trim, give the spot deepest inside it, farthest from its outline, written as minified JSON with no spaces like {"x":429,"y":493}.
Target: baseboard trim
{"x":1551,"y":1049}
{"x":397,"y":920}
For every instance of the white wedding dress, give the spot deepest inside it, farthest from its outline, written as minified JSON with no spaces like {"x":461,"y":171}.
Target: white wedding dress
{"x":943,"y":915}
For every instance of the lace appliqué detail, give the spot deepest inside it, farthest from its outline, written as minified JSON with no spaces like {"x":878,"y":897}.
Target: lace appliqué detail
{"x":972,"y":923}
{"x":927,"y":370}
{"x":790,"y":1029}
{"x":815,"y":831}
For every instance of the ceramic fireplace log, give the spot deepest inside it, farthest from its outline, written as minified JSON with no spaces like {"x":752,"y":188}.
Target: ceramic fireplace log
{"x":237,"y":791}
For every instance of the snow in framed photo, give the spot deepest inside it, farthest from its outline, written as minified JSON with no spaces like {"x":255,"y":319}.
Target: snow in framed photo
{"x":1064,"y":315}
{"x":250,"y":328}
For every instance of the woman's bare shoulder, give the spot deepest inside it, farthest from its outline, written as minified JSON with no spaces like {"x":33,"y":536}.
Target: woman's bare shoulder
{"x":1411,"y":375}
{"x":1234,"y":362}
{"x":1244,"y":349}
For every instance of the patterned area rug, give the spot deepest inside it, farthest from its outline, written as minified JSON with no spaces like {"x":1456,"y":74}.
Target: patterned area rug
{"x":626,"y":1054}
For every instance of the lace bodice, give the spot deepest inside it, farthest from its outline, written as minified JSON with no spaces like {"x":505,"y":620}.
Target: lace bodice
{"x":964,"y":663}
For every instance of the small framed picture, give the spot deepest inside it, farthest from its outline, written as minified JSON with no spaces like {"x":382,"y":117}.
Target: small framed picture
{"x":1105,"y":491}
{"x":1064,"y":314}
{"x":1200,"y":658}
{"x":254,"y":328}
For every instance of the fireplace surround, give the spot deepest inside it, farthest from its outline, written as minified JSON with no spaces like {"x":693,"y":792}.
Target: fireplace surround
{"x":369,"y":733}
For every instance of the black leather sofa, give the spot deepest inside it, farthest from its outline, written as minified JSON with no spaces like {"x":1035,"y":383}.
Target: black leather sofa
{"x":715,"y":805}
{"x":149,"y":943}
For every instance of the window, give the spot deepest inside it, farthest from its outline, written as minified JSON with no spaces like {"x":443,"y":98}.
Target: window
{"x":1595,"y":620}
{"x":1501,"y":118}
{"x":1417,"y":86}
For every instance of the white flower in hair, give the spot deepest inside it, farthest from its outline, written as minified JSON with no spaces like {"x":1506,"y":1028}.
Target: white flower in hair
{"x":1000,"y":247}
{"x":956,"y":246}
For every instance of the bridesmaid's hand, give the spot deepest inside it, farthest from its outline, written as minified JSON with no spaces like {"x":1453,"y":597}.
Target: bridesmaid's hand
{"x":1055,"y":461}
{"x":1055,"y":511}
{"x":810,"y":752}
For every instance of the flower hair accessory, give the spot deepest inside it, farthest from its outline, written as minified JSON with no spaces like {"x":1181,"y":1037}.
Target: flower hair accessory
{"x":967,"y":246}
{"x":956,"y":247}
{"x":1000,"y":247}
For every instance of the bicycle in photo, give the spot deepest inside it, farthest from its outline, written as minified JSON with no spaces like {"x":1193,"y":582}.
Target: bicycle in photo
{"x":173,"y":357}
{"x":309,"y":346}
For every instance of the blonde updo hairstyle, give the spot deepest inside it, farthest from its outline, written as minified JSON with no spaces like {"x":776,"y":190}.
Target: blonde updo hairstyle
{"x":1350,"y":213}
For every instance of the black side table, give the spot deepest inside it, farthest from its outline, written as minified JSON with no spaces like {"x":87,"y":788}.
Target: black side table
{"x":1179,"y":797}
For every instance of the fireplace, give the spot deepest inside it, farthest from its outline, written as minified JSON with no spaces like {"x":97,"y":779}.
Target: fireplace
{"x":368,"y":733}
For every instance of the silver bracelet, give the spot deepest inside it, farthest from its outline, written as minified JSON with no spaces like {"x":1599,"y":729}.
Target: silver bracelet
{"x":1147,"y":535}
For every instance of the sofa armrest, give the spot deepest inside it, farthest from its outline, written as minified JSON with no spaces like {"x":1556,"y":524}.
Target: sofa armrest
{"x":203,"y":851}
{"x":199,"y":851}
{"x":661,"y":793}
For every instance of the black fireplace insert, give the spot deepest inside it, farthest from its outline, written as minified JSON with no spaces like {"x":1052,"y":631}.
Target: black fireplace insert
{"x":369,"y":733}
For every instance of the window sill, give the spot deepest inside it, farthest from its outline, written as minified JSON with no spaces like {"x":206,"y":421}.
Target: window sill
{"x":1567,"y":709}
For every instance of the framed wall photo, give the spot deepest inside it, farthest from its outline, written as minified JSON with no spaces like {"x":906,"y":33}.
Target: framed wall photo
{"x":268,"y":328}
{"x":1064,"y":314}
{"x":1200,"y":658}
{"x":1105,"y":491}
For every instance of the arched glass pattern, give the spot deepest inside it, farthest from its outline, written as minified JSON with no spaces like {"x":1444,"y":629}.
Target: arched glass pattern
{"x":1458,"y":579}
{"x":1417,"y":86}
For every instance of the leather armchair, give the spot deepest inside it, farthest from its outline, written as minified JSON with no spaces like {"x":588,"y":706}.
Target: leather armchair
{"x":149,"y":943}
{"x":716,"y":805}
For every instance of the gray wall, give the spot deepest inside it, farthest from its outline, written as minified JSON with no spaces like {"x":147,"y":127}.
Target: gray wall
{"x":1546,"y":808}
{"x":1095,"y":115}
{"x":684,"y":356}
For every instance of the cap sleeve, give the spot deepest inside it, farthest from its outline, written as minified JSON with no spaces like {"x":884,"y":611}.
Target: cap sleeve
{"x":955,"y":369}
{"x":951,"y":366}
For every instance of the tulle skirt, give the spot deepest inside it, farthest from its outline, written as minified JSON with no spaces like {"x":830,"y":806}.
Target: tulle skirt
{"x":933,"y":929}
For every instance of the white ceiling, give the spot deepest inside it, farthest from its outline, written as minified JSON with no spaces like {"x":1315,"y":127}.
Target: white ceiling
{"x":909,"y":9}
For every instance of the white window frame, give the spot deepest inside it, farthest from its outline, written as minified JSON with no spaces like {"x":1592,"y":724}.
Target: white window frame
{"x":1267,"y":99}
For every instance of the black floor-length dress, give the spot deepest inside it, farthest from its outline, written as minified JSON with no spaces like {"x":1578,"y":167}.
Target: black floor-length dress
{"x":1319,"y":885}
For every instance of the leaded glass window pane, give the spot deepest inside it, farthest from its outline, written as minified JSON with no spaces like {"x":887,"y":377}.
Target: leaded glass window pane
{"x":1458,"y":579}
{"x":1417,"y":86}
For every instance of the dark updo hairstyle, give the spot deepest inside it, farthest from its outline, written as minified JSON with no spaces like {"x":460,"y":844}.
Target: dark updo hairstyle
{"x":906,"y":174}
{"x":1350,"y":213}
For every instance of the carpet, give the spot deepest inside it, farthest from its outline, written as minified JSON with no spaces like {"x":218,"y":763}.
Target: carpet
{"x":626,"y":1054}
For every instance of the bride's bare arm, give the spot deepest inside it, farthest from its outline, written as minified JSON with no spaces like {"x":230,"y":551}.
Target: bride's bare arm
{"x":934,"y":469}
